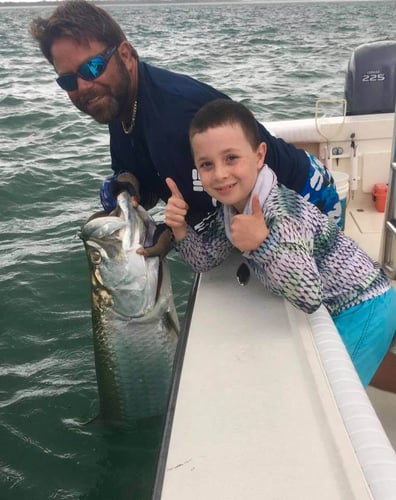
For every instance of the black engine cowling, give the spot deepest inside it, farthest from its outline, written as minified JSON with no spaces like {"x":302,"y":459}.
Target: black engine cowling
{"x":370,"y":85}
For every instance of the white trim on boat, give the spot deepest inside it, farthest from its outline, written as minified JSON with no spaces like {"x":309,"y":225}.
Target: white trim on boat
{"x":372,"y":446}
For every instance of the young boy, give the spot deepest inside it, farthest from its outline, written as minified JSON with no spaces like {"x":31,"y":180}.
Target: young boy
{"x":295,"y":250}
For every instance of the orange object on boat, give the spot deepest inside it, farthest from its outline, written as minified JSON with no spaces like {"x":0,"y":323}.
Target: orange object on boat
{"x":379,"y":193}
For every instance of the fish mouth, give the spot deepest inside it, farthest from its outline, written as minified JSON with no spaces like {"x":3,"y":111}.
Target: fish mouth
{"x":95,"y":225}
{"x":126,"y":226}
{"x":100,"y":226}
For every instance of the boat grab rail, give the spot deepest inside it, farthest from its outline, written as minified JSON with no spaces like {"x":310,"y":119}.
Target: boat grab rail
{"x":371,"y":445}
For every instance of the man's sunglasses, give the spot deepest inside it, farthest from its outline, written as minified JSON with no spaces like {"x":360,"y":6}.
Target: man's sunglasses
{"x":89,"y":70}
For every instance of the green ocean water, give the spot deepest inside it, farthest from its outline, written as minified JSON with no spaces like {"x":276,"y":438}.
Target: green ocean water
{"x":276,"y":58}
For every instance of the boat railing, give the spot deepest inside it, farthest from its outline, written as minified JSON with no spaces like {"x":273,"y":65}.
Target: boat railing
{"x":373,"y":449}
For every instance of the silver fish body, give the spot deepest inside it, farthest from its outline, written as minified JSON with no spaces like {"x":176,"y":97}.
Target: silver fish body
{"x":135,"y":325}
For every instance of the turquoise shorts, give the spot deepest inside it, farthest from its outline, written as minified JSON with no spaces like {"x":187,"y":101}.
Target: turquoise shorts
{"x":367,"y":330}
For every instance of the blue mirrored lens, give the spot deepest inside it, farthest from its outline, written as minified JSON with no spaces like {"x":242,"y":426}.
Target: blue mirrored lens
{"x":89,"y":70}
{"x":92,"y":68}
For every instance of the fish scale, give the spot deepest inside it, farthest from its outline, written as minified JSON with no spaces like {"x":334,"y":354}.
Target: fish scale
{"x":135,"y":325}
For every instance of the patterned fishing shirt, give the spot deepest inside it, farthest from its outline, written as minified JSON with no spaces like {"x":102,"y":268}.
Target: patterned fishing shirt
{"x":306,"y":258}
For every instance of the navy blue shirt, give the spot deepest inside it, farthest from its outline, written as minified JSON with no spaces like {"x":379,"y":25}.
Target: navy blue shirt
{"x":158,"y":146}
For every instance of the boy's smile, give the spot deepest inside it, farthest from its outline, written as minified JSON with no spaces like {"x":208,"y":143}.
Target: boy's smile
{"x":227,"y":163}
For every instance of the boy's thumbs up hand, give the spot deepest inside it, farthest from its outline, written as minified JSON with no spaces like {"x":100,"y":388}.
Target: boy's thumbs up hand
{"x":173,"y":188}
{"x":176,"y":211}
{"x":249,"y":231}
{"x":257,"y":211}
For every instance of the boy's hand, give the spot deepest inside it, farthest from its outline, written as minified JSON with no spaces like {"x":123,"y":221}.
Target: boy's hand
{"x":176,"y":211}
{"x":249,"y":231}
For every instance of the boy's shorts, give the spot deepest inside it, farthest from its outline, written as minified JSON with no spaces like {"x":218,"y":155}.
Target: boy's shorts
{"x":367,"y":331}
{"x":320,"y":190}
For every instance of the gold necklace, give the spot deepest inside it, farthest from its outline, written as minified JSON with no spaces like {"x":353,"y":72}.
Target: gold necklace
{"x":128,"y":130}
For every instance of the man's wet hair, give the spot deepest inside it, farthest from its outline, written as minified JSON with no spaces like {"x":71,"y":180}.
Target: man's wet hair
{"x":223,"y":112}
{"x":78,"y":19}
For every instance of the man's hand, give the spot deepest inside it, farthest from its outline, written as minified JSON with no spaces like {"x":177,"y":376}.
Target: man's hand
{"x":114,"y":185}
{"x":161,"y":245}
{"x":176,"y":211}
{"x":249,"y":231}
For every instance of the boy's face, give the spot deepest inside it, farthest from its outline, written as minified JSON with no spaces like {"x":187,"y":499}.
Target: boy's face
{"x":227,"y":164}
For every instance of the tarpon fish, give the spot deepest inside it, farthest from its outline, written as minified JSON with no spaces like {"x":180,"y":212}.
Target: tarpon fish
{"x":135,"y":325}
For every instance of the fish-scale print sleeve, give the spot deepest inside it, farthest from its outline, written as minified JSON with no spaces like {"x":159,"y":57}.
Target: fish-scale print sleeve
{"x":206,"y":250}
{"x":285,"y":264}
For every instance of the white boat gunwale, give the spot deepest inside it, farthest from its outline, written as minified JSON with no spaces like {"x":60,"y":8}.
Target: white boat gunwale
{"x":173,"y":393}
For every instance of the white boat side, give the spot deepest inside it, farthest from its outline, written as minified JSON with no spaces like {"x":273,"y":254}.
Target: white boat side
{"x":330,"y":140}
{"x":262,"y":413}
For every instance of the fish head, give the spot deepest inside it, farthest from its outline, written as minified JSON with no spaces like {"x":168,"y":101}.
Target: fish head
{"x":120,"y":277}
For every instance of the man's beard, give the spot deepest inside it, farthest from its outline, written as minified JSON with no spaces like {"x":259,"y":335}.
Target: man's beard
{"x":112,"y":101}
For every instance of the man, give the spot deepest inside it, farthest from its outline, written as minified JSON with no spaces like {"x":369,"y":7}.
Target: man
{"x":149,"y":111}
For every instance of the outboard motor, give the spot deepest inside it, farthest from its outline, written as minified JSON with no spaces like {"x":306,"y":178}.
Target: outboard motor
{"x":370,"y":85}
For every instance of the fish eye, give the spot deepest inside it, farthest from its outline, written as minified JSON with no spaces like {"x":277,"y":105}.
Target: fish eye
{"x":95,"y":257}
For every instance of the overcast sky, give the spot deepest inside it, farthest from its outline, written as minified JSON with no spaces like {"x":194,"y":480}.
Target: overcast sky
{"x":223,"y":1}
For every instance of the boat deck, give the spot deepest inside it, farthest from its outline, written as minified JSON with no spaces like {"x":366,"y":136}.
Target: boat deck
{"x":364,"y":224}
{"x":254,"y":411}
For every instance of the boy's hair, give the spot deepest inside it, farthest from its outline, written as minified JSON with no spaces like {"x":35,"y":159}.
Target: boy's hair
{"x":80,"y":20}
{"x":225,"y":111}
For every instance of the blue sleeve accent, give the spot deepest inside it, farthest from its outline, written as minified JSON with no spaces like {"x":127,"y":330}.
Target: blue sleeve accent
{"x":108,"y":201}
